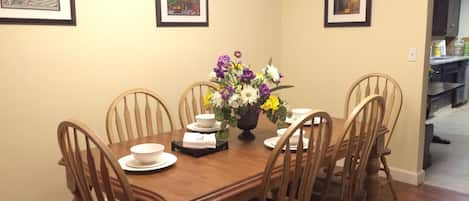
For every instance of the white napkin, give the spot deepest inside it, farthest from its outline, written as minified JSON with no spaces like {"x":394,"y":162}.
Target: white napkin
{"x":199,"y":141}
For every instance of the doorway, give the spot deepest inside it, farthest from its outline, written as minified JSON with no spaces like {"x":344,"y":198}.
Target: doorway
{"x":446,"y":157}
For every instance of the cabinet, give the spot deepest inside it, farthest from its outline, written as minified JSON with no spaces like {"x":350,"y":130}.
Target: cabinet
{"x":446,"y":17}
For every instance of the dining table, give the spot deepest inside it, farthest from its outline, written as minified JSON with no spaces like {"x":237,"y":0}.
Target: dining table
{"x":234,"y":174}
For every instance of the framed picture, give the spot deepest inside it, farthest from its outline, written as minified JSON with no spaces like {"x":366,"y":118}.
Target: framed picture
{"x":53,"y":12}
{"x":347,"y":13}
{"x":181,"y":13}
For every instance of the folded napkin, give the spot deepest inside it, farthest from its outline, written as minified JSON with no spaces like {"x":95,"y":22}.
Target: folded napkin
{"x":199,"y":141}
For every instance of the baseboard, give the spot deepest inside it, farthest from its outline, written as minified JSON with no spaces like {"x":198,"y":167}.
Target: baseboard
{"x":405,"y":176}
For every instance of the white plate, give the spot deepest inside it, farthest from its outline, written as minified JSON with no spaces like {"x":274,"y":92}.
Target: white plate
{"x":169,"y":159}
{"x":196,"y":128}
{"x":290,"y":120}
{"x":135,"y":164}
{"x":271,"y":142}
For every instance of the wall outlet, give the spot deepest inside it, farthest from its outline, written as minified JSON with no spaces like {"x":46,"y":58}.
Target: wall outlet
{"x":412,"y":56}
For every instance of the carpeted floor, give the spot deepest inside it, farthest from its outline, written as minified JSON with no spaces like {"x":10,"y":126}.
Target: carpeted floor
{"x":450,"y":167}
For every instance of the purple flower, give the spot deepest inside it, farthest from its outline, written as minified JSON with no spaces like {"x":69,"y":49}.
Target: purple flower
{"x":237,"y":54}
{"x":227,"y":93}
{"x":281,"y":75}
{"x":258,"y":110}
{"x":220,"y":72}
{"x":264,"y":90}
{"x":223,"y":61}
{"x":220,"y":64}
{"x":247,"y":76}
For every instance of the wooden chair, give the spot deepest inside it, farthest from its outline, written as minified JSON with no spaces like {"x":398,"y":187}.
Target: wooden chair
{"x":298,"y":176}
{"x":386,"y":86}
{"x":92,"y":176}
{"x":191,"y":102}
{"x":360,"y":132}
{"x":155,"y":110}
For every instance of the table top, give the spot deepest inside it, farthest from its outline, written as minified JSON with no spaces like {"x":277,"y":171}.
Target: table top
{"x":224,"y":173}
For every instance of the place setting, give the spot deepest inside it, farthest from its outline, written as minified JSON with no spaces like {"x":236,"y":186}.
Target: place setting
{"x":205,"y":123}
{"x":295,"y":114}
{"x":298,"y":113}
{"x":200,"y":138}
{"x":147,"y":157}
{"x":294,"y":140}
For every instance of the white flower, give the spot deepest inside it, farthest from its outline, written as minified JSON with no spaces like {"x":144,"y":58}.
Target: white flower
{"x":249,"y":95}
{"x":217,"y":100}
{"x":212,"y":76}
{"x":272,"y":72}
{"x":235,"y":101}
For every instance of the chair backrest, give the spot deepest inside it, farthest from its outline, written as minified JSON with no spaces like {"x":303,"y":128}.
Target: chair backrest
{"x":191,"y":102}
{"x":298,"y":176}
{"x":92,"y":167}
{"x":156,"y":116}
{"x":360,"y":132}
{"x":377,"y":84}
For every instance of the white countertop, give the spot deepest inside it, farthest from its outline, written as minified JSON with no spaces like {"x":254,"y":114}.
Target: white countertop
{"x":449,"y":59}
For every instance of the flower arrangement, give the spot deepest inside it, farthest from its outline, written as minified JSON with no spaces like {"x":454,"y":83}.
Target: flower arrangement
{"x":241,"y":90}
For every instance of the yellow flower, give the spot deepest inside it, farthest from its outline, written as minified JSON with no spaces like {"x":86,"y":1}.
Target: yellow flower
{"x":272,"y":103}
{"x":237,"y":66}
{"x":259,"y":76}
{"x":207,"y":98}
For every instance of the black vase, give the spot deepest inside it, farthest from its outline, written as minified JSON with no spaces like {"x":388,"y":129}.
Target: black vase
{"x":247,"y":122}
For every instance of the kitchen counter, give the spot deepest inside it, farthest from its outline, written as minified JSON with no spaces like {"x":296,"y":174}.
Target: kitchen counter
{"x":450,"y":59}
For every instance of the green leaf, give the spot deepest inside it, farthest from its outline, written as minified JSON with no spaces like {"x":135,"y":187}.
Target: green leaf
{"x":222,"y":134}
{"x":281,"y":125}
{"x":281,"y":87}
{"x":282,"y":113}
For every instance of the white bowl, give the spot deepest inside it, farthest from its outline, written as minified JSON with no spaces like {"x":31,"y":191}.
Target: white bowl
{"x":149,"y":153}
{"x":293,"y":139}
{"x":205,"y":120}
{"x":298,"y":113}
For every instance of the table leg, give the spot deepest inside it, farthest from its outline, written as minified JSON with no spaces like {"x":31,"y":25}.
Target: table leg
{"x":372,"y":180}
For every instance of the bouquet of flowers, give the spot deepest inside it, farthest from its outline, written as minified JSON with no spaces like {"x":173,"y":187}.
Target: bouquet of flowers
{"x":241,"y":90}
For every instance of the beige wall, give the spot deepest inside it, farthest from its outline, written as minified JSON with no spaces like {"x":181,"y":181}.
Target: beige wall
{"x":325,"y":61}
{"x":51,"y":73}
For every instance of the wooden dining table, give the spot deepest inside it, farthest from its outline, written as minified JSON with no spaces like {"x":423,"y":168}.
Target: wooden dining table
{"x":233,"y":174}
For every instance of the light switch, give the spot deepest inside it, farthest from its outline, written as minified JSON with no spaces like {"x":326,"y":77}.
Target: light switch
{"x":412,"y":56}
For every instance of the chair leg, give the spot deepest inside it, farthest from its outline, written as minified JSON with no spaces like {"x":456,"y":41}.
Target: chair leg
{"x":389,"y":177}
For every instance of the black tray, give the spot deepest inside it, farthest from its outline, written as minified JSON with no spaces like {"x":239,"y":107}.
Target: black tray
{"x":177,"y":146}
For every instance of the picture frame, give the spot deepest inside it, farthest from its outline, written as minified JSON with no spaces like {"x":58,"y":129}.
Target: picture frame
{"x":38,"y":12}
{"x":347,"y":13}
{"x":182,"y":13}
